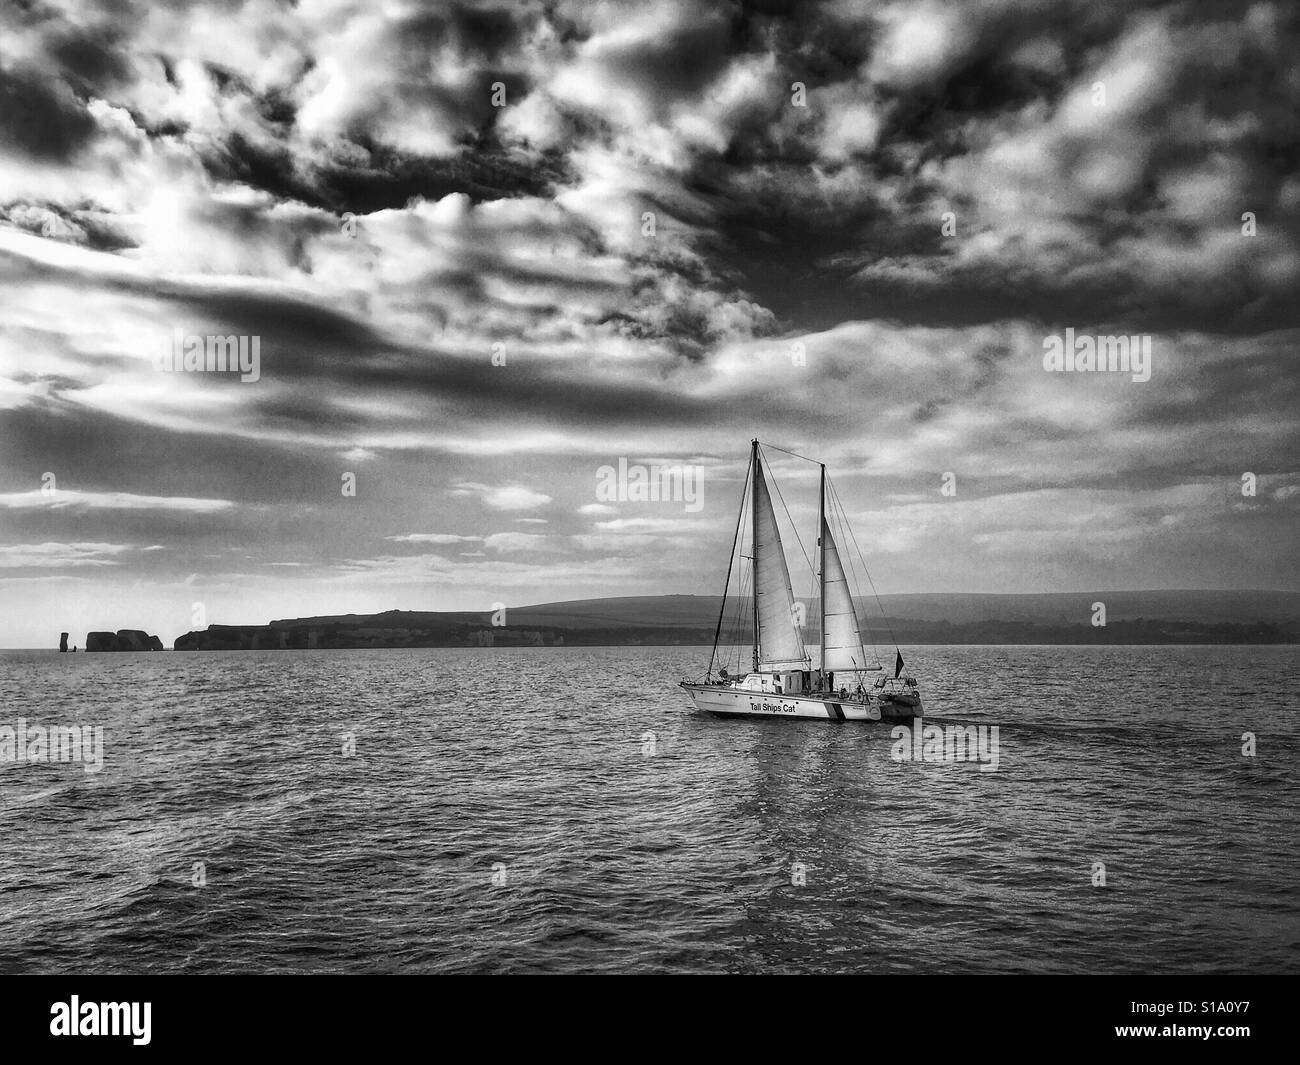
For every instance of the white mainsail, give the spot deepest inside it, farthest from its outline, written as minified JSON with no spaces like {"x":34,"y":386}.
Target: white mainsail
{"x":841,"y":635}
{"x":779,"y":642}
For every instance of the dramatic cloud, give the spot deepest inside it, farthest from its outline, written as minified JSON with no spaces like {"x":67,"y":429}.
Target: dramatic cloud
{"x":484,"y":250}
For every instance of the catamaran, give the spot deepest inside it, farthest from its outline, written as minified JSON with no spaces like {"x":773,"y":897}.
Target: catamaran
{"x":784,"y":681}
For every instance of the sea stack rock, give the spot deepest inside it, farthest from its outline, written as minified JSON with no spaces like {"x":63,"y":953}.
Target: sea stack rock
{"x":123,"y":640}
{"x":132,"y":640}
{"x":63,"y":642}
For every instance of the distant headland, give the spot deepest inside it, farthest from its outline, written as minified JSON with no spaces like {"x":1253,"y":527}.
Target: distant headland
{"x":1155,"y":617}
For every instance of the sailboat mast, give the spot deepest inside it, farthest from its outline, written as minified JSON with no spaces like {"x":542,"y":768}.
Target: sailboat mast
{"x":753,"y":533}
{"x":821,"y":574}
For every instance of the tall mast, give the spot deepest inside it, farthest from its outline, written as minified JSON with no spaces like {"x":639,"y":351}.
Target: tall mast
{"x":821,"y":573}
{"x":753,"y":535}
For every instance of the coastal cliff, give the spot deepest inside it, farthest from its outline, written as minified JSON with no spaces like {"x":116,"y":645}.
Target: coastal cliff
{"x":394,"y":628}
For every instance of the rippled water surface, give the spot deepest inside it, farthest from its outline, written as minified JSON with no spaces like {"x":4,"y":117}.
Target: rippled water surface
{"x":564,"y":810}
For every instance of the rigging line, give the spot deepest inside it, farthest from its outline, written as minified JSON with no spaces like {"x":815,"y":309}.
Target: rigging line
{"x":867,"y":571}
{"x":738,"y":620}
{"x":848,"y":537}
{"x":744,"y":564}
{"x":792,"y":454}
{"x":845,"y":532}
{"x":842,"y":522}
{"x":722,"y":607}
{"x":744,"y":583}
{"x":734,"y":631}
{"x":840,"y":517}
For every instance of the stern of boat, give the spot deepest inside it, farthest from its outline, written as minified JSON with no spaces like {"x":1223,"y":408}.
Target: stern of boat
{"x":900,"y":698}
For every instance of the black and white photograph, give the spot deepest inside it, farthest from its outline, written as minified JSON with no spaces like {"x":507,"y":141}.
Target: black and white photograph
{"x":650,"y":487}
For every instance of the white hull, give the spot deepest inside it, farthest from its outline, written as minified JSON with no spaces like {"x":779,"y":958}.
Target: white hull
{"x":736,"y":702}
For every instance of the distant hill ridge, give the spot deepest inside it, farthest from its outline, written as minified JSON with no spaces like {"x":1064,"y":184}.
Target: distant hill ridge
{"x":956,"y":608}
{"x":1245,"y":616}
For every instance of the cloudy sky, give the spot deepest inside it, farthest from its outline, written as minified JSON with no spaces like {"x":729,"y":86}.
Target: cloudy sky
{"x":490,"y":248}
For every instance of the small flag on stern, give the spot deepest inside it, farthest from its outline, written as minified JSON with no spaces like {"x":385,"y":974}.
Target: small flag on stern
{"x":898,"y":663}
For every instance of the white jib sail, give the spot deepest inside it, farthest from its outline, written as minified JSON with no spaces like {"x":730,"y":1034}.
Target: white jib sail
{"x":779,"y":642}
{"x":842,"y":636}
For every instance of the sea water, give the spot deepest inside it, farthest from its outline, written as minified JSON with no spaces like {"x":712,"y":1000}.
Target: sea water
{"x":565,"y":810}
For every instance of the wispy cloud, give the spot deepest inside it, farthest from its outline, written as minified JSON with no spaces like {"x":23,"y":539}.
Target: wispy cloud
{"x":502,"y":497}
{"x":60,"y":555}
{"x":61,"y":498}
{"x":432,"y":538}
